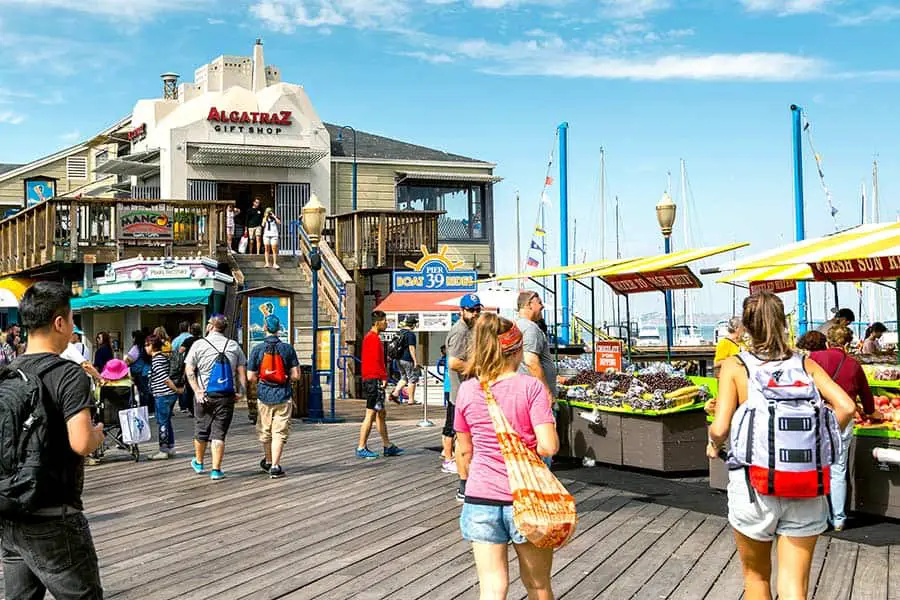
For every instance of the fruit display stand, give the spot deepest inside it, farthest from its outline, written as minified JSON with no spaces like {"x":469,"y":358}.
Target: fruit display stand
{"x":671,"y":439}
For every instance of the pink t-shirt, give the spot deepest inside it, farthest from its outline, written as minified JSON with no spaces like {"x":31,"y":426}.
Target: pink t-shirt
{"x":524,"y":402}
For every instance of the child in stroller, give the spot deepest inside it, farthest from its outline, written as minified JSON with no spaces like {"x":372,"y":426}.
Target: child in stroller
{"x":116,"y":393}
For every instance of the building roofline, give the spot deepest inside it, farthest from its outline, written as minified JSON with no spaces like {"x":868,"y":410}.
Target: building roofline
{"x":65,"y":152}
{"x":416,"y":163}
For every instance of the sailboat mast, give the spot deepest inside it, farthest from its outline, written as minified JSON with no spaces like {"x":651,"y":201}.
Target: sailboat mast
{"x":862,"y":221}
{"x":618,"y":256}
{"x":602,"y":226}
{"x":519,"y":264}
{"x":875,"y":294}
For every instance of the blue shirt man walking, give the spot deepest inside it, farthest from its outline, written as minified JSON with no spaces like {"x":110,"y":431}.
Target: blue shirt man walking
{"x":274,"y":366}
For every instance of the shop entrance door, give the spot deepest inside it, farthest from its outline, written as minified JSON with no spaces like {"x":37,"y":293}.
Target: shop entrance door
{"x":170,"y":319}
{"x":290,"y":198}
{"x":242,"y":194}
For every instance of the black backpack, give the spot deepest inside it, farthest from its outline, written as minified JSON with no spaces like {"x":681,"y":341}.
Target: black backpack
{"x":397,"y":346}
{"x":176,"y":366}
{"x":29,"y":442}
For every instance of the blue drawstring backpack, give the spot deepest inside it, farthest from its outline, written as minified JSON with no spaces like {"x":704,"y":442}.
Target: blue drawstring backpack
{"x":221,"y":377}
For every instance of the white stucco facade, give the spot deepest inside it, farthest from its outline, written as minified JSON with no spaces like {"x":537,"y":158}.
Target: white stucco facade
{"x":235,"y":108}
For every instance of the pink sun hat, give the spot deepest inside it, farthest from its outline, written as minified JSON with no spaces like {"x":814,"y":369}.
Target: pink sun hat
{"x":115,"y":369}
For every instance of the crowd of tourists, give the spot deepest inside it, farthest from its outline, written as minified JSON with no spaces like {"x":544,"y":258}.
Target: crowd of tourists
{"x":499,"y":434}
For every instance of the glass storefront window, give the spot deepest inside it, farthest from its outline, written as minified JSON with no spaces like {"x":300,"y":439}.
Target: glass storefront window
{"x":464,"y":206}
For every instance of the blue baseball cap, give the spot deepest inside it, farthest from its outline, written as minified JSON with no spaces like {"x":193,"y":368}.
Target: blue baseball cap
{"x":470,"y":301}
{"x":273,"y":324}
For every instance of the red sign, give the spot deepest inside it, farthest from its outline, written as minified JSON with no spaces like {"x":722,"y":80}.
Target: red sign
{"x":259,"y":118}
{"x":858,"y":269}
{"x":679,"y":278}
{"x":776,"y":287}
{"x":609,"y":355}
{"x":138,"y":133}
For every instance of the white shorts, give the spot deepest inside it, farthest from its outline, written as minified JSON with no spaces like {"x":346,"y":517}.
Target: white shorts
{"x":765,"y":517}
{"x":268,"y":240}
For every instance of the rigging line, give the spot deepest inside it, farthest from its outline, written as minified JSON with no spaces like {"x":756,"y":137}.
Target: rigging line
{"x":807,"y":127}
{"x":541,"y":206}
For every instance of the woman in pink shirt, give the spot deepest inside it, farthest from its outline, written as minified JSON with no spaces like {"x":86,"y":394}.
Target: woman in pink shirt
{"x":486,"y":518}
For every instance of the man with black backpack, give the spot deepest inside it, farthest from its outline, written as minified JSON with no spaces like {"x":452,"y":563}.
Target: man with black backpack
{"x":214,"y":367}
{"x":273,"y":365}
{"x":47,"y":431}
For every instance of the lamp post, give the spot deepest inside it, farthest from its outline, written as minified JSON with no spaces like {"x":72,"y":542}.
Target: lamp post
{"x":340,"y":138}
{"x":665,"y":215}
{"x":314,"y":223}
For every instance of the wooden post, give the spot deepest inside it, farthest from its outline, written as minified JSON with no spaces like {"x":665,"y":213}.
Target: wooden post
{"x":212,"y":224}
{"x":49,"y":232}
{"x":382,"y":239}
{"x":33,"y":259}
{"x":73,"y":232}
{"x":357,"y":242}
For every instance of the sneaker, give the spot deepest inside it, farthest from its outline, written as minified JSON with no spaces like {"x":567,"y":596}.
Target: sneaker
{"x":449,"y":466}
{"x":216,"y":474}
{"x":265,"y":466}
{"x":162,"y":455}
{"x":460,"y":497}
{"x":198,"y":467}
{"x":365,"y":453}
{"x":393,"y":450}
{"x":276,"y":472}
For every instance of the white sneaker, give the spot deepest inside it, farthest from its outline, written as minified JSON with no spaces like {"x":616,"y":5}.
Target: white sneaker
{"x":449,"y":466}
{"x":161,"y":455}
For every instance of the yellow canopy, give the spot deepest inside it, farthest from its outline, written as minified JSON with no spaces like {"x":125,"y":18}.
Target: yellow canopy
{"x":783,"y":273}
{"x":876,"y":239}
{"x":661,"y":262}
{"x":11,"y":290}
{"x":567,"y":270}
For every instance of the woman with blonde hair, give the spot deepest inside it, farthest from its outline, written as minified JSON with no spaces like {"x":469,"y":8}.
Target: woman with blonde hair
{"x":792,"y":523}
{"x":486,"y":520}
{"x":848,"y":374}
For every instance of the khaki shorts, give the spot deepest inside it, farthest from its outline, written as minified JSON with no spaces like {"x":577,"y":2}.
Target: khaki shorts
{"x":254,"y":232}
{"x":273,"y":421}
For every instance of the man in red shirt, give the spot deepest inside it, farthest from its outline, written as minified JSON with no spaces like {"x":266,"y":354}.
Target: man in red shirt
{"x":374,"y":381}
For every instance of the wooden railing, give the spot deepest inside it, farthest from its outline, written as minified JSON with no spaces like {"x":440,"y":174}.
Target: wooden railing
{"x":86,"y":230}
{"x":372,"y":239}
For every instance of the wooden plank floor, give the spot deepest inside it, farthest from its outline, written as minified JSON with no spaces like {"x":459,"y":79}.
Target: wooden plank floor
{"x":340,"y":528}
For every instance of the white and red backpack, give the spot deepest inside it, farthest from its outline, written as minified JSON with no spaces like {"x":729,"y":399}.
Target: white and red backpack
{"x":784,"y":435}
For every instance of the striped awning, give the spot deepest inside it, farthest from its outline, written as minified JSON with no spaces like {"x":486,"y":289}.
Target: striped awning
{"x":781,"y":273}
{"x":234,"y":155}
{"x":663,"y":261}
{"x":450,"y":176}
{"x":552,"y":271}
{"x":877,"y":239}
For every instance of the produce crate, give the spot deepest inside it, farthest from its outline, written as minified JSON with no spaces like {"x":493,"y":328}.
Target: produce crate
{"x":668,"y":443}
{"x":875,"y":488}
{"x":601,"y":441}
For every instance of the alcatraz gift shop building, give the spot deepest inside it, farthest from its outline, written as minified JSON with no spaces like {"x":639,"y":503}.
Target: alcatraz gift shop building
{"x":157,"y":183}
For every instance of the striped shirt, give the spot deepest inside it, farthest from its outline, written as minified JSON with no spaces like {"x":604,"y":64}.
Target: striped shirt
{"x":159,"y":374}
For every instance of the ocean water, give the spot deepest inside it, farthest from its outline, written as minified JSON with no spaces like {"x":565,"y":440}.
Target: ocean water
{"x":707,"y":331}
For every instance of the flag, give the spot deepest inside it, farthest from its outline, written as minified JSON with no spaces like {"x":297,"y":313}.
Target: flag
{"x":532,"y":262}
{"x":539,"y":231}
{"x":536,"y":246}
{"x":548,"y":181}
{"x":545,"y":198}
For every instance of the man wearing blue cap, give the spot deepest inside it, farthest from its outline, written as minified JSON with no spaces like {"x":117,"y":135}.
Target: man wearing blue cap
{"x":457,"y":354}
{"x":273,"y":365}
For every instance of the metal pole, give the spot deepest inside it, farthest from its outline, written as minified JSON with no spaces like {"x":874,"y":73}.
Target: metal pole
{"x":897,"y":311}
{"x":563,"y":333}
{"x":800,"y":221}
{"x":628,"y":325}
{"x":593,"y":323}
{"x":668,"y":297}
{"x":519,"y":264}
{"x":424,"y":422}
{"x":316,"y":412}
{"x":555,"y":316}
{"x":602,"y":224}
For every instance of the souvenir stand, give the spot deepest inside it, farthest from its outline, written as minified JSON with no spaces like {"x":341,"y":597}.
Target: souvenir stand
{"x":868,"y":253}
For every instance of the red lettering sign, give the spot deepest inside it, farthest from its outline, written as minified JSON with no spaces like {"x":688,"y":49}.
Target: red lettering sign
{"x":858,"y":269}
{"x":678,"y":278}
{"x":276,"y":118}
{"x":776,"y":287}
{"x":138,"y":133}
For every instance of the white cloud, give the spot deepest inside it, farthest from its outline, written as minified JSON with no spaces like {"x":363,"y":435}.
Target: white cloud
{"x":787,"y":7}
{"x":632,"y":9}
{"x":71,"y":136}
{"x":438,"y":58}
{"x":286,"y":15}
{"x":129,"y":9}
{"x":880,"y":14}
{"x":11,"y":118}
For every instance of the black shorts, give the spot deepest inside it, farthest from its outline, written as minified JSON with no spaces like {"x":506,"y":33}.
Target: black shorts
{"x":374,"y":394}
{"x":213,"y":418}
{"x":448,"y":420}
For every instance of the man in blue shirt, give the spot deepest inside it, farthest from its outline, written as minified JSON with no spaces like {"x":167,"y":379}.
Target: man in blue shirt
{"x":270,"y":362}
{"x":184,"y":332}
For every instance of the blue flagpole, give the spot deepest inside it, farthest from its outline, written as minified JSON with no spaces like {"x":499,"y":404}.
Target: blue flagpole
{"x":563,"y":333}
{"x":800,"y":221}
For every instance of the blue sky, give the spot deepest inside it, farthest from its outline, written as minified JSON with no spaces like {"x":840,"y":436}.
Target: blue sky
{"x":652,"y":81}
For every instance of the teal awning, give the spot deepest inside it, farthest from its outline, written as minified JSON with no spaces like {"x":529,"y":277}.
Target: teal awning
{"x":143,"y":299}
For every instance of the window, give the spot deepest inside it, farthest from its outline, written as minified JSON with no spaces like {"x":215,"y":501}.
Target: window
{"x":76,"y":167}
{"x":464,"y":206}
{"x":99,"y":158}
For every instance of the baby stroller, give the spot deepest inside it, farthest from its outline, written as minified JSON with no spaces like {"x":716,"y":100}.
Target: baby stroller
{"x":115,"y":395}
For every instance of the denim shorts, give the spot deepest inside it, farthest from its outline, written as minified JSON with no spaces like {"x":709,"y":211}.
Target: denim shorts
{"x":765,"y":517}
{"x":489,"y":524}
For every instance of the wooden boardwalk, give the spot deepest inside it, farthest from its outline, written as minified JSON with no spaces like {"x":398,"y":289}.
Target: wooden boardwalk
{"x":337,"y":527}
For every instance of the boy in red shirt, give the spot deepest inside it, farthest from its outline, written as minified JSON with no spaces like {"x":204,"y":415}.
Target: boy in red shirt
{"x":374,"y":381}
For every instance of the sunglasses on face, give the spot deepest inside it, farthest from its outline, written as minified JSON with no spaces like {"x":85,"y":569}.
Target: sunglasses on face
{"x":474,"y":311}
